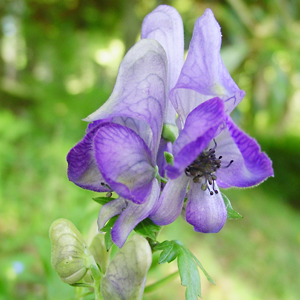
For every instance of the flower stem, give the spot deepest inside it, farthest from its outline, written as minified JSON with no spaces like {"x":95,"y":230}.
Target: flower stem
{"x":160,"y":283}
{"x":97,"y":280}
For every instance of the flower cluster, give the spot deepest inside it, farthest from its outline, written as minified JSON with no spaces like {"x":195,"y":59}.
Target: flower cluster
{"x":162,"y":103}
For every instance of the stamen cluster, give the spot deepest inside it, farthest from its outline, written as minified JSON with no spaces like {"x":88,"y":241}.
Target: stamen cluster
{"x":205,"y":166}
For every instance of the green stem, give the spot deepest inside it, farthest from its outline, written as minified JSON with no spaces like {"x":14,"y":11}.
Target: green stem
{"x":160,"y":283}
{"x":164,"y":180}
{"x":97,"y":280}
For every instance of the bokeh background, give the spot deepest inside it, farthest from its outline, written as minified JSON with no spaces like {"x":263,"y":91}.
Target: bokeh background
{"x":58,"y":63}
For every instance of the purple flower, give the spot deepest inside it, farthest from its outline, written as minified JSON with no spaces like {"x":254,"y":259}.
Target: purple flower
{"x":211,"y":150}
{"x":203,"y":74}
{"x":118,"y":152}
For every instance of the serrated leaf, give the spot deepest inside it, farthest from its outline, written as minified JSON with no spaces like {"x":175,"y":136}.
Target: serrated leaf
{"x":103,"y":200}
{"x":231,"y":214}
{"x":107,"y":229}
{"x":187,"y":266}
{"x":169,"y":251}
{"x":202,"y":268}
{"x":108,"y":240}
{"x":147,"y":229}
{"x":189,"y":274}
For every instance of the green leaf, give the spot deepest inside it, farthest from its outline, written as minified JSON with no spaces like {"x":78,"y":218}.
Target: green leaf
{"x":81,"y":284}
{"x":147,"y":229}
{"x":231,"y":214}
{"x":187,"y":266}
{"x":169,"y":253}
{"x":203,"y":270}
{"x":103,"y":200}
{"x":189,"y":274}
{"x":107,"y":229}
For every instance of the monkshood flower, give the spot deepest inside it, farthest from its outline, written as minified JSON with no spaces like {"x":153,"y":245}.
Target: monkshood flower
{"x":118,"y":152}
{"x":210,"y":151}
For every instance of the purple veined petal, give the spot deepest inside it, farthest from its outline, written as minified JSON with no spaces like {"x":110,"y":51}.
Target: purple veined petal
{"x":171,"y":201}
{"x":200,"y":127}
{"x":207,"y":213}
{"x":204,"y":75}
{"x":134,"y":214}
{"x":124,"y":160}
{"x":109,"y":210}
{"x":140,"y":92}
{"x":164,"y":25}
{"x":82,"y":167}
{"x":250,"y":166}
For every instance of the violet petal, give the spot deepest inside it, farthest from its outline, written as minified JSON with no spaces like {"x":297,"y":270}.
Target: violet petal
{"x":204,"y":75}
{"x":250,"y":166}
{"x":109,"y":210}
{"x":124,"y":160}
{"x":200,"y":128}
{"x":134,"y":214}
{"x":207,"y":213}
{"x":140,"y":92}
{"x":171,"y":201}
{"x":82,"y":167}
{"x":164,"y":25}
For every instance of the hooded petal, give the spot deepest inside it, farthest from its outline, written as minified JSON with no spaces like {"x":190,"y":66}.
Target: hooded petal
{"x":171,"y":201}
{"x":125,"y":161}
{"x":126,"y":274}
{"x":204,"y":75}
{"x":250,"y":166}
{"x":207,"y":213}
{"x":82,"y":167}
{"x":164,"y":25}
{"x":200,"y":127}
{"x":139,"y":93}
{"x":134,"y":214}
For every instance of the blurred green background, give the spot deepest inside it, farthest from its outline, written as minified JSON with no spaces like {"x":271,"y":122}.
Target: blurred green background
{"x":58,"y":63}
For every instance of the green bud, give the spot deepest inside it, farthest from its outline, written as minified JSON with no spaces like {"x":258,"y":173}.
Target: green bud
{"x":169,"y":158}
{"x":126,"y":274}
{"x":70,"y":257}
{"x":170,"y":132}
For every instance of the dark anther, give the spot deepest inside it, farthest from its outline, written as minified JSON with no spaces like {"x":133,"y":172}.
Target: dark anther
{"x":228,"y":164}
{"x":204,"y":167}
{"x":108,"y":194}
{"x":106,"y":185}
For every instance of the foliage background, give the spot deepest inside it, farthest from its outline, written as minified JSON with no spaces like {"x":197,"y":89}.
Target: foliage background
{"x":58,"y":63}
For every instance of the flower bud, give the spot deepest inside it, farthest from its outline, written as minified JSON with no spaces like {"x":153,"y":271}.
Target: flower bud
{"x":126,"y":274}
{"x":70,"y":257}
{"x":170,"y":132}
